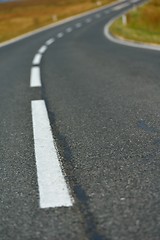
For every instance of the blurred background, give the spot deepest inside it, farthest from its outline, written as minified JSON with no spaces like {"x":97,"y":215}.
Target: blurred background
{"x":19,"y":17}
{"x":142,"y":24}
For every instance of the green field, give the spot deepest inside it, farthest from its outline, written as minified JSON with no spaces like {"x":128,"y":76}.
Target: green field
{"x":143,"y":24}
{"x":22,"y":16}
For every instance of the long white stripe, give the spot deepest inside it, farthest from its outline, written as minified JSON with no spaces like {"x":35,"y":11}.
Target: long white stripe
{"x":35,"y":79}
{"x":53,"y":191}
{"x":37,"y":59}
{"x":42,"y":49}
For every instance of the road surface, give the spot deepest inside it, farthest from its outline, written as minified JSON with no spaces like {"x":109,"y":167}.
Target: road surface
{"x":102,"y":101}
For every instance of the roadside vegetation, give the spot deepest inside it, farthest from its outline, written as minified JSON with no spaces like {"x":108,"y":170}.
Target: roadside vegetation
{"x":142,"y":24}
{"x":22,"y":16}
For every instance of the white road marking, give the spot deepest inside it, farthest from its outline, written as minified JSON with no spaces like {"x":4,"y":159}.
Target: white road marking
{"x":125,"y":42}
{"x":53,"y":25}
{"x":37,"y":59}
{"x":88,"y":20}
{"x":98,"y":15}
{"x":35,"y":79}
{"x":50,"y":41}
{"x":107,"y":11}
{"x":78,"y":25}
{"x":120,"y":7}
{"x":53,"y":190}
{"x":42,"y":49}
{"x":68,"y":30}
{"x":60,"y":35}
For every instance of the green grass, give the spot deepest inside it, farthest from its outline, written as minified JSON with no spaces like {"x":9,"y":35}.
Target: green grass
{"x":143,"y":24}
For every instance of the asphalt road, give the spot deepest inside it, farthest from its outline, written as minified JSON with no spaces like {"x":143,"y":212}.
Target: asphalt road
{"x":103,"y":102}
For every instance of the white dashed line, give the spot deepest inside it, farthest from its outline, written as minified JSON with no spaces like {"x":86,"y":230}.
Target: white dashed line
{"x":120,"y":7}
{"x":98,"y":15}
{"x":68,"y":30}
{"x":88,"y":20}
{"x":42,"y":49}
{"x":78,"y":25}
{"x":37,"y":59}
{"x":50,"y":41}
{"x":35,"y":79}
{"x":53,"y":191}
{"x":60,"y":35}
{"x":107,"y":11}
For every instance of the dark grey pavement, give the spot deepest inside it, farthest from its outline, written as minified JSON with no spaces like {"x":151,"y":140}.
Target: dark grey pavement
{"x":103,"y":101}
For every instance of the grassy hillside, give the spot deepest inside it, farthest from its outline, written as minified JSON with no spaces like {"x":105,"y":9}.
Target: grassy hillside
{"x":143,"y":24}
{"x":22,"y":16}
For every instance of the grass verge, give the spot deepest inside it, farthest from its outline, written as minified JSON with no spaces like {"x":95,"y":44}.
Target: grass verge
{"x":22,"y":16}
{"x":143,"y":24}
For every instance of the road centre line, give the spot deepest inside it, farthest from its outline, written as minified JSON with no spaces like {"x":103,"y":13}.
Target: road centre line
{"x":111,"y":10}
{"x":68,"y":30}
{"x":88,"y":20}
{"x":120,"y":7}
{"x":107,"y":11}
{"x":35,"y":79}
{"x":53,"y":190}
{"x":53,"y":25}
{"x":42,"y":49}
{"x":60,"y":35}
{"x":37,"y":59}
{"x":50,"y":41}
{"x":134,"y":1}
{"x":98,"y":15}
{"x":78,"y":25}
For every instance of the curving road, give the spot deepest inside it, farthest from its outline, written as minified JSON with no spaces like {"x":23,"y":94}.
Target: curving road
{"x":102,"y":101}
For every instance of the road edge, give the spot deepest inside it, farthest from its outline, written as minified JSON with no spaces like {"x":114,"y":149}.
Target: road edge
{"x":125,"y":42}
{"x":52,"y":25}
